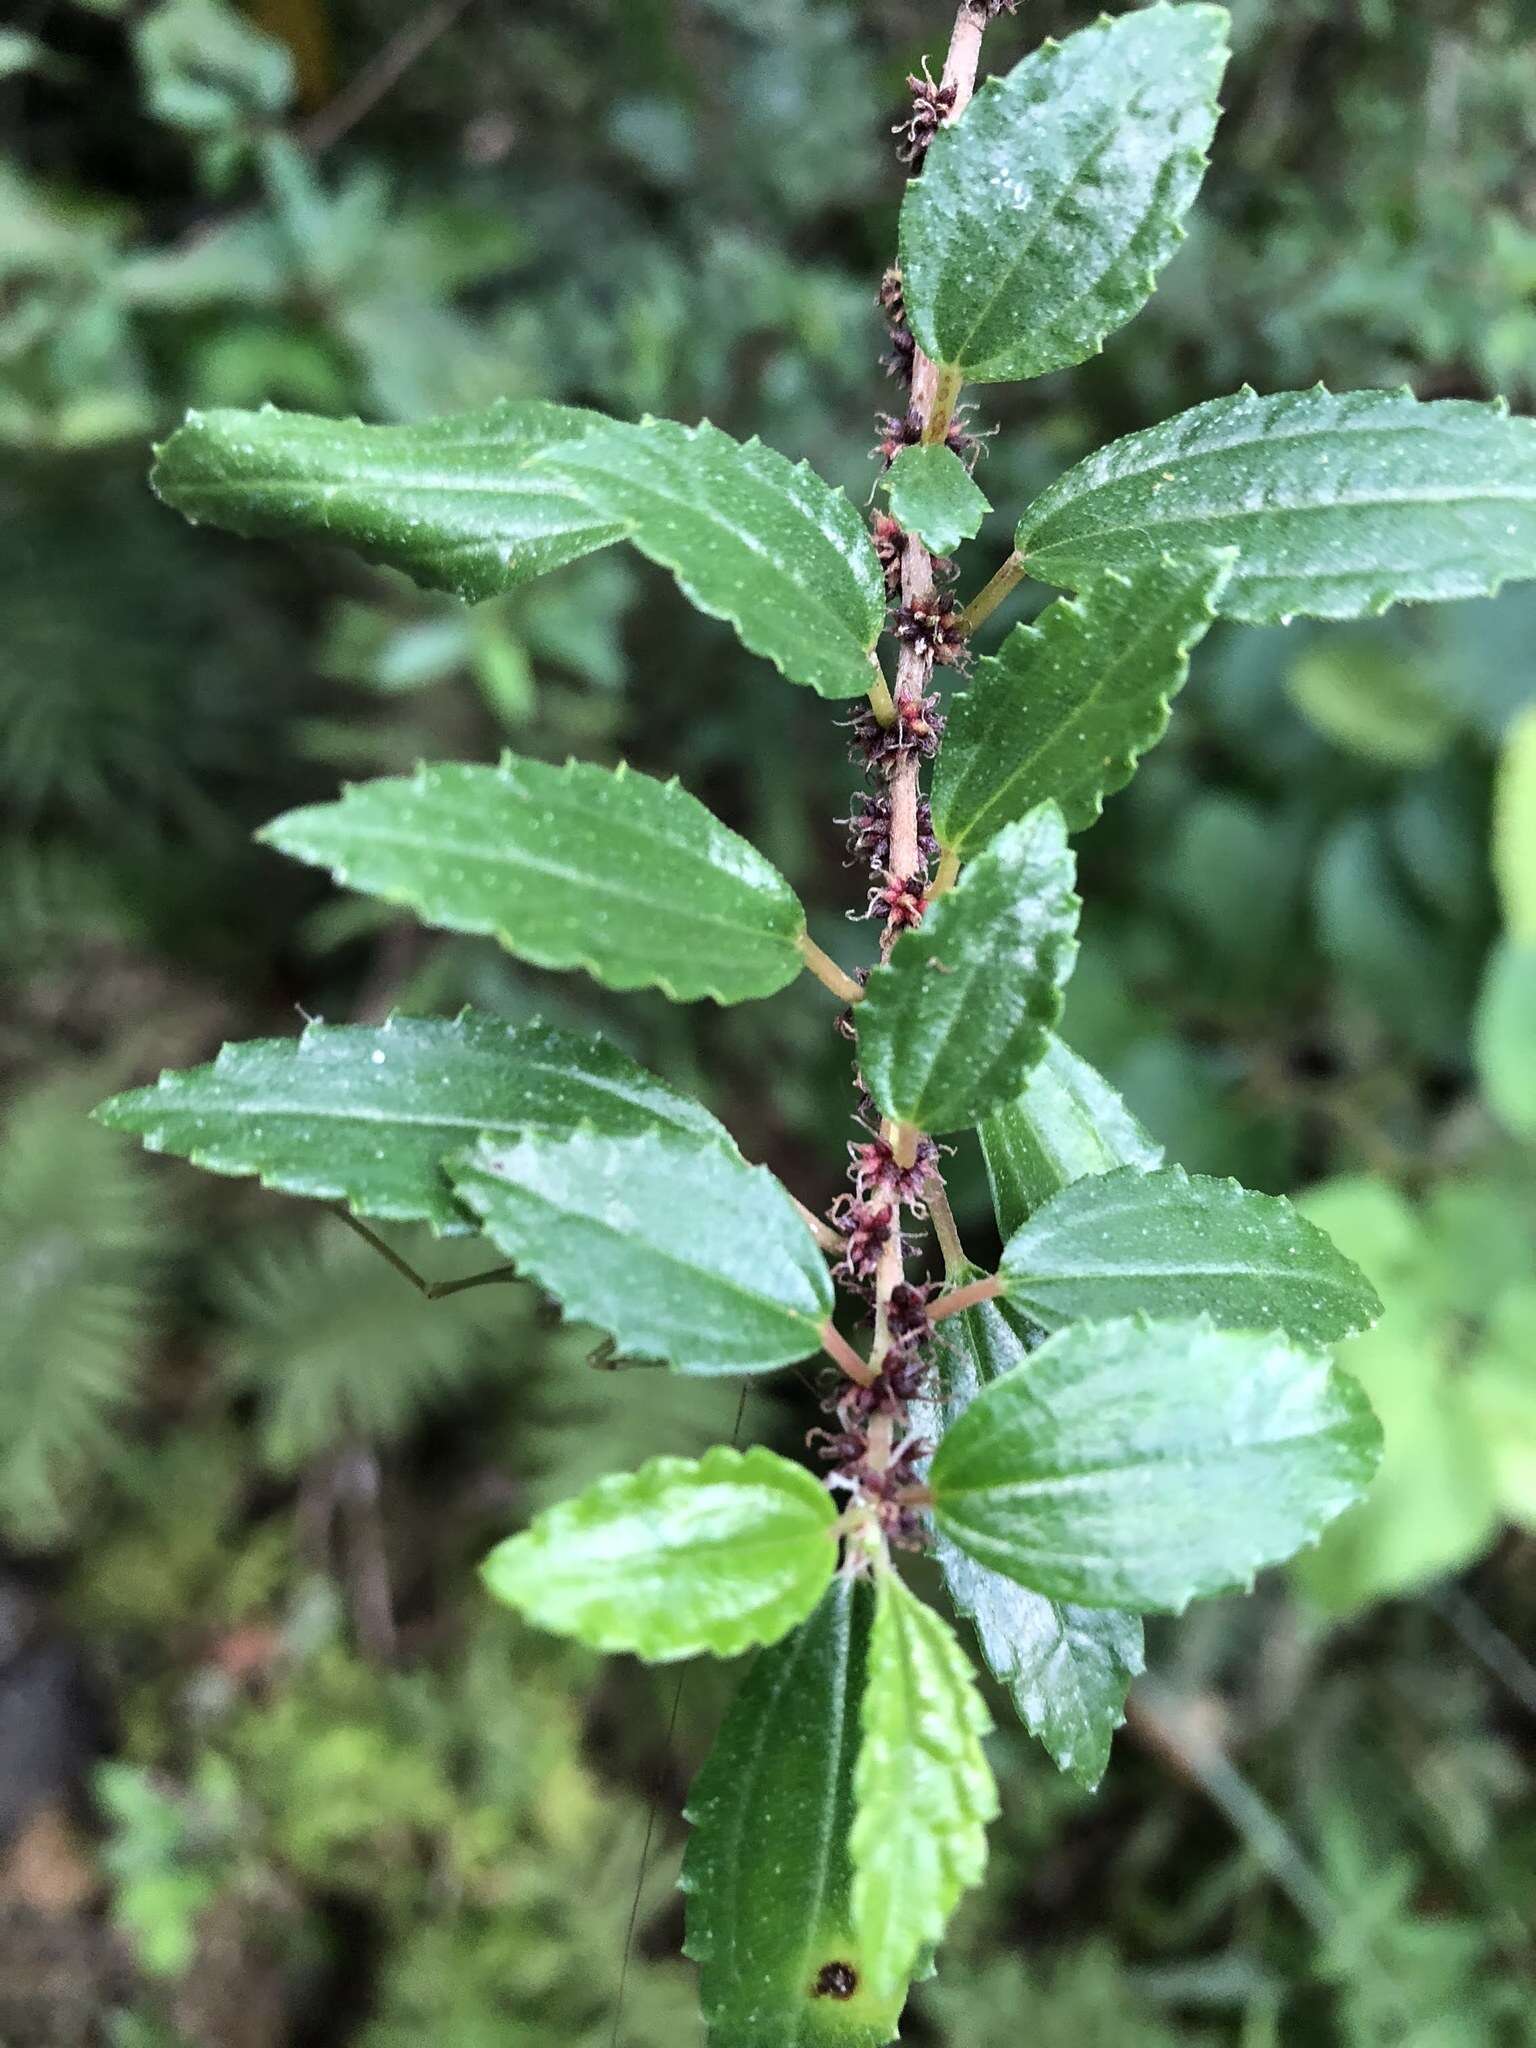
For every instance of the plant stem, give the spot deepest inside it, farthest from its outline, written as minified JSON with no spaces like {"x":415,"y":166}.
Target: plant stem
{"x":842,"y":1353}
{"x":828,"y":973}
{"x":969,"y":1296}
{"x":946,"y":390}
{"x":936,"y":1195}
{"x":991,"y":595}
{"x":881,"y":701}
{"x":823,"y":1233}
{"x":944,"y":880}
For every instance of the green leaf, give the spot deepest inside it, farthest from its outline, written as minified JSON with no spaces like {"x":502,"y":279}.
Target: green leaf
{"x":684,"y":1556}
{"x":1338,"y":506}
{"x":1044,"y":214}
{"x":365,"y":1114}
{"x":934,"y":495}
{"x":1377,"y":699}
{"x":1176,"y":1245}
{"x":629,"y":878}
{"x":1067,"y":1668}
{"x":455,"y":503}
{"x":1143,"y":1464}
{"x":923,"y":1788}
{"x":1067,"y":707}
{"x":1504,"y":1037}
{"x":669,"y":1242}
{"x":1514,"y":829}
{"x":1066,"y":1124}
{"x":750,"y":537}
{"x":772,"y":1932}
{"x":949,"y":1028}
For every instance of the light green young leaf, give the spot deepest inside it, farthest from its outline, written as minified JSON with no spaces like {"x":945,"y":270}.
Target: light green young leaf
{"x":668,"y":1241}
{"x":1067,"y":707}
{"x":750,"y":537}
{"x":1067,"y":1123}
{"x":1514,"y":829}
{"x":1176,"y":1245}
{"x":456,"y":503}
{"x":1504,"y":1037}
{"x":684,"y":1556}
{"x":951,"y":1025}
{"x":1338,"y":506}
{"x":1067,"y":1668}
{"x":1044,"y":214}
{"x":365,"y":1114}
{"x":934,"y":495}
{"x":923,"y":1788}
{"x":580,"y":866}
{"x":1142,"y":1464}
{"x":772,"y":1932}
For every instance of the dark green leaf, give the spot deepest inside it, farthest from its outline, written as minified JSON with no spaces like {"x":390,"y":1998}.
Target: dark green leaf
{"x":750,"y":537}
{"x":456,"y":503}
{"x":1044,"y":214}
{"x":933,"y":495}
{"x":1067,"y":1123}
{"x":1137,"y":1464}
{"x":579,"y":866}
{"x":1337,"y":505}
{"x":767,"y":1873}
{"x":1177,"y":1245}
{"x":364,"y":1114}
{"x":1067,"y":1668}
{"x":1066,"y":708}
{"x":923,"y":1788}
{"x":667,"y":1241}
{"x":949,"y":1029}
{"x":686,"y":1555}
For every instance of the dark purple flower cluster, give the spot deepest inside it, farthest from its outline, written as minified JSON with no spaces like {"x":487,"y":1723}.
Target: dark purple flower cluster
{"x":932,"y":106}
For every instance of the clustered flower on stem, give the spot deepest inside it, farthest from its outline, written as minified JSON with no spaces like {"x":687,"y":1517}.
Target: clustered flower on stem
{"x":875,"y":1452}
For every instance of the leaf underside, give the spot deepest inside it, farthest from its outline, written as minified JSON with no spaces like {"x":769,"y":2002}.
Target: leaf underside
{"x":1066,"y":707}
{"x":682,"y":1557}
{"x":950,"y":1027}
{"x":1067,"y":1122}
{"x":365,"y":1114}
{"x":1135,"y":1464}
{"x":1044,"y":214}
{"x":670,"y":1243}
{"x":1175,"y":1245}
{"x":1338,"y":506}
{"x":455,"y":503}
{"x":750,"y":537}
{"x":580,"y":866}
{"x":767,"y":1871}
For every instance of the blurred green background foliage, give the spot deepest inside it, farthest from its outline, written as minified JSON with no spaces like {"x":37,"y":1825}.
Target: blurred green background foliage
{"x":271,"y":1773}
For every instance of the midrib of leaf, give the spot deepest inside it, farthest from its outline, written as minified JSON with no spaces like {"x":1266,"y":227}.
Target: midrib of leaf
{"x":1047,"y":219}
{"x":383,"y":836}
{"x":712,"y":1273}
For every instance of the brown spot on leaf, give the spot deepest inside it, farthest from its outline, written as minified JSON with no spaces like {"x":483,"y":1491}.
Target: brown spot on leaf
{"x":836,"y":1980}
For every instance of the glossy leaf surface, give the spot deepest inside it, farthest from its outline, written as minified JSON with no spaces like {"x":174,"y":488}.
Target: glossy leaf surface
{"x":1338,"y":505}
{"x":1177,"y":1245}
{"x":923,"y":1788}
{"x":951,"y":1026}
{"x":750,"y":537}
{"x":768,"y":1875}
{"x":1066,"y":707}
{"x":934,"y":495}
{"x":1067,"y":1668}
{"x":1144,"y":1465}
{"x":365,"y":1114}
{"x":456,"y":503}
{"x":669,"y":1242}
{"x":684,"y":1556}
{"x":629,"y":878}
{"x":1067,"y":1122}
{"x":1044,"y":214}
